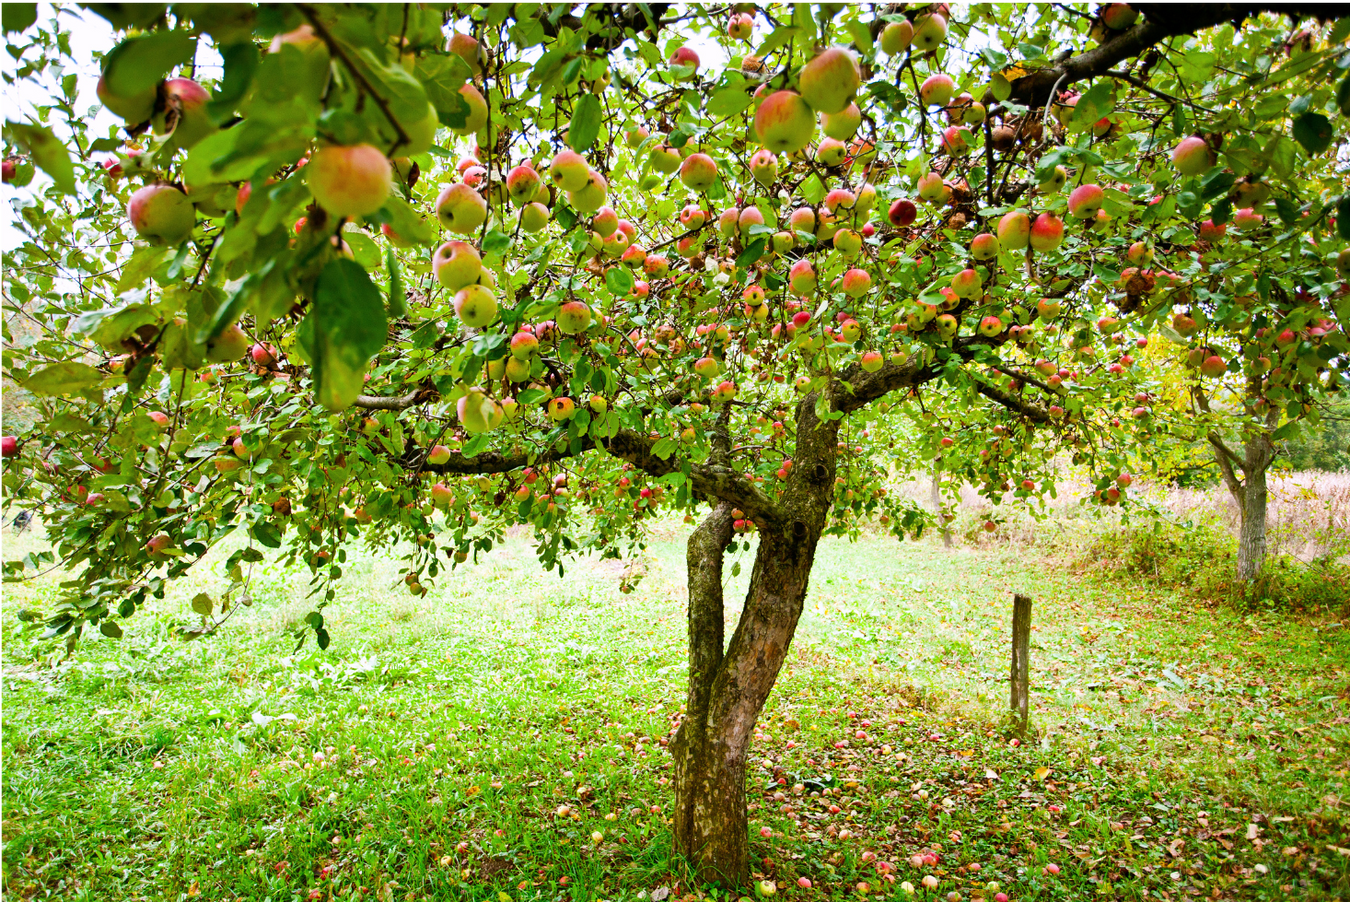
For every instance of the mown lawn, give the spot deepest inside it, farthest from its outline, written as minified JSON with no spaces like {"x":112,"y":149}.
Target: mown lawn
{"x":503,"y":738}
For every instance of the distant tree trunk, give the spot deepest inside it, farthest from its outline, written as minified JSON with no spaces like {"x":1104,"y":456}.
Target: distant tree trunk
{"x":1249,"y":490}
{"x":936,"y":499}
{"x":727,"y":690}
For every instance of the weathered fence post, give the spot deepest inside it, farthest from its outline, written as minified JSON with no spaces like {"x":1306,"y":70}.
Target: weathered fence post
{"x":1021,"y":665}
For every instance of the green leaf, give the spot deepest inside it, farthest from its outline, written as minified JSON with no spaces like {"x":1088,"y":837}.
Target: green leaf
{"x":752,"y":253}
{"x":63,"y":378}
{"x":267,"y":535}
{"x":346,"y":327}
{"x":496,"y":242}
{"x":1343,"y":92}
{"x":664,"y":448}
{"x":108,"y":627}
{"x":143,"y":262}
{"x":241,"y":63}
{"x":1289,"y":210}
{"x":407,"y":222}
{"x":1222,"y":211}
{"x":202,"y":604}
{"x":398,"y":295}
{"x":585,"y":126}
{"x":1343,"y":217}
{"x":619,"y":281}
{"x":729,"y":101}
{"x":48,"y":152}
{"x":137,"y":64}
{"x":321,"y":639}
{"x":1098,"y":101}
{"x":442,"y":76}
{"x":1217,"y":182}
{"x":17,"y":16}
{"x":1314,"y":132}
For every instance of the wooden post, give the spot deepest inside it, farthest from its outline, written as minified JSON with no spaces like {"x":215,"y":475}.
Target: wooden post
{"x":1021,"y":664}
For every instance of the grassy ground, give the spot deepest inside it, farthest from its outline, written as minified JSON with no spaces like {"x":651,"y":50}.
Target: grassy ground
{"x":503,"y":738}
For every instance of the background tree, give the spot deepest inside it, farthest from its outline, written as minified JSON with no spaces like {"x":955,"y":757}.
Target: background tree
{"x":413,"y":275}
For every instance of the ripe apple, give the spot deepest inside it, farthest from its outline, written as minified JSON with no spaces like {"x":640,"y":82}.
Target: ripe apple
{"x":930,"y":186}
{"x":1046,"y":232}
{"x":698,"y":172}
{"x":1213,"y":366}
{"x":9,"y":446}
{"x":184,"y":113}
{"x":349,"y":181}
{"x":896,"y":36}
{"x":1014,"y":230}
{"x":902,"y":212}
{"x":684,"y":63}
{"x":829,"y":81}
{"x":561,"y":409}
{"x":843,"y":125}
{"x":1193,"y":156}
{"x":1247,"y":219}
{"x":968,"y":284}
{"x":466,"y":48}
{"x":1118,"y":16}
{"x":456,"y":265}
{"x":461,"y":209}
{"x":1085,"y":201}
{"x":802,"y":278}
{"x":872,"y":361}
{"x":534,"y":217}
{"x":741,"y":26}
{"x":591,"y":196}
{"x":569,"y":171}
{"x":785,"y":122}
{"x":1047,"y":309}
{"x":229,"y":345}
{"x":522,"y":185}
{"x":956,"y":140}
{"x":984,"y":246}
{"x":990,"y":326}
{"x":936,"y":90}
{"x":856,"y":283}
{"x":158,"y":544}
{"x":475,"y":305}
{"x":929,"y":32}
{"x":574,"y":317}
{"x":441,"y":495}
{"x":161,"y":214}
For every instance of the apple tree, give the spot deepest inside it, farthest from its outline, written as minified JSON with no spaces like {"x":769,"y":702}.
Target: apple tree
{"x":411,"y":275}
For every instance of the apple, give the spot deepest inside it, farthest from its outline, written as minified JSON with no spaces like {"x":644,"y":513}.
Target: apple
{"x":741,"y":26}
{"x":574,"y":317}
{"x":9,"y":168}
{"x":606,"y":222}
{"x":902,"y":212}
{"x":1246,"y":219}
{"x":842,"y":125}
{"x":929,"y":32}
{"x":968,"y":284}
{"x":698,"y":172}
{"x":1014,"y":230}
{"x":184,"y":112}
{"x":1118,"y":16}
{"x":534,"y":217}
{"x":830,"y":152}
{"x":784,"y":122}
{"x":802,"y":278}
{"x":1213,"y":366}
{"x":561,"y":409}
{"x":764,"y":167}
{"x":461,"y":209}
{"x":1193,"y":156}
{"x":456,"y":265}
{"x":1085,"y":201}
{"x":228,"y":346}
{"x":855,"y":283}
{"x":984,"y":246}
{"x":441,"y":495}
{"x":1047,"y":309}
{"x":930,"y":186}
{"x":591,"y":196}
{"x":663,"y":159}
{"x":872,"y":361}
{"x":1052,"y":185}
{"x":158,"y":543}
{"x":956,"y":140}
{"x":569,"y":171}
{"x":1046,"y":232}
{"x":1211,"y":232}
{"x":349,"y":181}
{"x":9,"y":446}
{"x":522,"y":185}
{"x":849,"y":243}
{"x":684,"y":63}
{"x":707,"y":367}
{"x":990,"y":326}
{"x":161,"y":214}
{"x":476,"y":119}
{"x":937,"y":90}
{"x":896,"y":36}
{"x":466,"y":48}
{"x":829,"y":81}
{"x":134,"y":109}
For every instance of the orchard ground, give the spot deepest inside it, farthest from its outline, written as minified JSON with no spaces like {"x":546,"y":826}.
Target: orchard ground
{"x":503,"y":735}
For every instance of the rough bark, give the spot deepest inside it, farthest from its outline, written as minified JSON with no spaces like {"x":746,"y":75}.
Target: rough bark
{"x":935,"y":496}
{"x":1252,"y":532}
{"x":1249,"y":490}
{"x":727,"y":691}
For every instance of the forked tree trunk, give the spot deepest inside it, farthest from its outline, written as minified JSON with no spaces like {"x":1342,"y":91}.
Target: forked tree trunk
{"x":727,"y":690}
{"x":1250,"y":491}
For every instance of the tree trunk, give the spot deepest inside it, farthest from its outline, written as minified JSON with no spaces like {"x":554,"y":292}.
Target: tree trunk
{"x":936,"y":498}
{"x":1251,"y":556}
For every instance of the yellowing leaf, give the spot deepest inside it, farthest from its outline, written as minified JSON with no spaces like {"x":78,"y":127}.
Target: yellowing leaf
{"x":1041,"y":773}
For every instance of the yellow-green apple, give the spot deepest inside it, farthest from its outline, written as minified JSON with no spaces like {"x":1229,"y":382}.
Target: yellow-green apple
{"x":569,"y":170}
{"x":161,"y":214}
{"x":764,"y":167}
{"x":477,"y":118}
{"x":683,"y":63}
{"x":605,"y":222}
{"x":574,"y":317}
{"x":896,"y":36}
{"x":984,"y":246}
{"x":522,"y":185}
{"x":968,"y":284}
{"x":829,"y":81}
{"x":561,"y":409}
{"x":842,"y":125}
{"x":456,"y":264}
{"x":466,"y":48}
{"x":802,"y":278}
{"x":936,"y":90}
{"x":929,"y":32}
{"x":460,"y":208}
{"x":475,"y":305}
{"x":349,"y":180}
{"x":1118,"y":16}
{"x":590,"y":196}
{"x":831,"y":152}
{"x":741,"y":26}
{"x":803,"y":219}
{"x":784,"y":122}
{"x":1213,"y":366}
{"x":1047,"y":308}
{"x":1014,"y":230}
{"x":1139,"y":254}
{"x":1085,"y":201}
{"x":990,"y":326}
{"x":855,"y":283}
{"x":663,"y":159}
{"x":1193,"y":156}
{"x":1211,"y":232}
{"x":698,"y":172}
{"x":1055,"y":181}
{"x":956,"y":140}
{"x":158,"y":544}
{"x":229,"y":345}
{"x":930,"y":186}
{"x":534,"y":217}
{"x":1247,"y":219}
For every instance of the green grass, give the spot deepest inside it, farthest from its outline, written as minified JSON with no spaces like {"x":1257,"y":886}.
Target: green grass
{"x":472,"y":742}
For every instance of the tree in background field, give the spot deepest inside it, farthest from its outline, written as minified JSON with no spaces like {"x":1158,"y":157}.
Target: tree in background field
{"x":413,"y":275}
